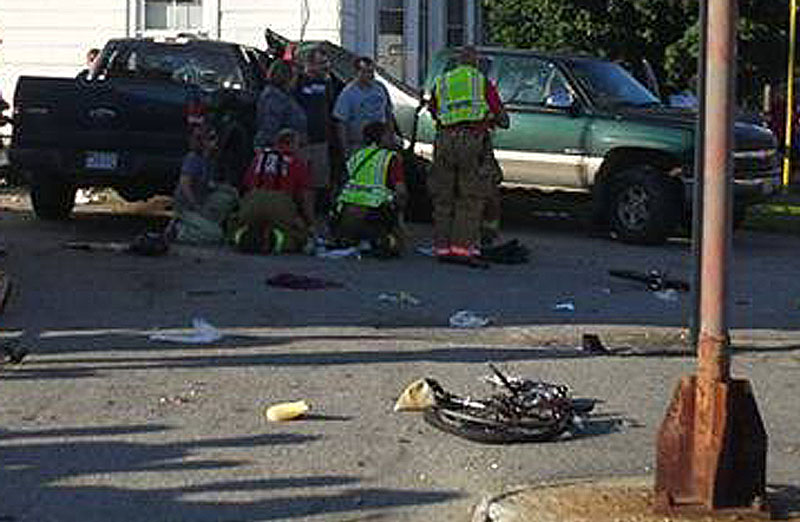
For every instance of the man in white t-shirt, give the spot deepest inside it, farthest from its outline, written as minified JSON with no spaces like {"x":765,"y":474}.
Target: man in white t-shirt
{"x":364,"y":100}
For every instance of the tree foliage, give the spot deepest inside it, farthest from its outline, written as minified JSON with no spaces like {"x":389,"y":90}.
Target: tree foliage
{"x":664,"y":32}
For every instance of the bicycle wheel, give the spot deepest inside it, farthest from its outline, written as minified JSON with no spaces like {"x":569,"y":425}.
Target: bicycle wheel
{"x":468,"y":425}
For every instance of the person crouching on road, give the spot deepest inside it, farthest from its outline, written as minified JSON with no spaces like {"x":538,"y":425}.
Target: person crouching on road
{"x":276,"y":214}
{"x":369,"y":206}
{"x":466,"y":106}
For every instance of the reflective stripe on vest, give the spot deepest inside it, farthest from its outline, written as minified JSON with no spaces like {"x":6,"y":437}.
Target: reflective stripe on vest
{"x":461,"y":94}
{"x":367,"y":187}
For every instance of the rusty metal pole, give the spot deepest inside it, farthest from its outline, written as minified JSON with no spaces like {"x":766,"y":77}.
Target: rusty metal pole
{"x":711,"y":448}
{"x":713,"y":360}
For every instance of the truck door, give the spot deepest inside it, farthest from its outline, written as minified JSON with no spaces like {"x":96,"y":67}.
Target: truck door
{"x":548,"y":138}
{"x":132,"y":110}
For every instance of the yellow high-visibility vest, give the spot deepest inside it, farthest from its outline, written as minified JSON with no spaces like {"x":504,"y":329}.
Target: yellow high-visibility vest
{"x":367,"y":172}
{"x":461,"y":96}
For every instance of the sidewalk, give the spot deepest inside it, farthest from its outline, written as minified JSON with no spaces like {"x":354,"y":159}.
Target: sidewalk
{"x":608,"y":500}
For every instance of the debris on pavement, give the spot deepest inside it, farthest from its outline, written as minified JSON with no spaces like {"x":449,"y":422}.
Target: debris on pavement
{"x":591,"y":344}
{"x":509,"y":253}
{"x":97,"y":246}
{"x":12,"y":354}
{"x":426,"y":251}
{"x":669,"y":295}
{"x":417,"y":396}
{"x":286,"y":411}
{"x":565,"y":306}
{"x":204,"y":333}
{"x":183,"y":398}
{"x":301,"y":282}
{"x":179,"y":400}
{"x":469,"y":319}
{"x":339,"y":253}
{"x":149,"y":244}
{"x":654,"y":280}
{"x":519,"y":410}
{"x":399,"y":298}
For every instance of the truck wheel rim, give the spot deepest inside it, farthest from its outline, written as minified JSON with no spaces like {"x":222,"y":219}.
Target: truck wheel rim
{"x":632,"y":209}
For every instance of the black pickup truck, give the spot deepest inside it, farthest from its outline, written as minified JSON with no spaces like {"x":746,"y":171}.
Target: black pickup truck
{"x":124,"y":126}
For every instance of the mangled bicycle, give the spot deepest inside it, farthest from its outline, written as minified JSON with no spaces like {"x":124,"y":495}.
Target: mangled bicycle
{"x":520,"y":410}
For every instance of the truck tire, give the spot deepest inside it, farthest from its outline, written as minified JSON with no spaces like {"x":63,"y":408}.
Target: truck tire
{"x":644,"y":206}
{"x":52,"y":198}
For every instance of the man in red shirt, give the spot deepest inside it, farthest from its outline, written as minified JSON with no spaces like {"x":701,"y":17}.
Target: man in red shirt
{"x":277,"y":212}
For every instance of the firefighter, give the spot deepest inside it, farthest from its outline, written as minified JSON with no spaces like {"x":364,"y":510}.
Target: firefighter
{"x":369,"y":205}
{"x":466,"y":106}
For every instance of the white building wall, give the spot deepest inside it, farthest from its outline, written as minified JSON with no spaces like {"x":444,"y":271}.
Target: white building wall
{"x":51,"y":37}
{"x":244,"y":21}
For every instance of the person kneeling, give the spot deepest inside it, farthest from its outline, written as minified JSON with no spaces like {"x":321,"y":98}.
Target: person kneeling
{"x":276,"y":214}
{"x":368,"y":208}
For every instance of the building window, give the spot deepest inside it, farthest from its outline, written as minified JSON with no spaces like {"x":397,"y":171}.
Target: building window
{"x":456,"y":22}
{"x":173,"y":14}
{"x":391,"y":37}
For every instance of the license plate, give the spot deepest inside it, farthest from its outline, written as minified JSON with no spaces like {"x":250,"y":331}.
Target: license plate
{"x":101,"y":160}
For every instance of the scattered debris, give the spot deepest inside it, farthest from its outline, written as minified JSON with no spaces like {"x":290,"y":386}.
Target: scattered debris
{"x":425,"y":251}
{"x":146,"y":244}
{"x":149,"y":244}
{"x":286,"y":411}
{"x":399,"y":298}
{"x":591,"y":344}
{"x":509,"y":253}
{"x":339,"y":253}
{"x":566,"y":306}
{"x":519,"y":410}
{"x":178,"y":400}
{"x":670,"y":295}
{"x":655,"y":280}
{"x":417,"y":396}
{"x":204,"y":333}
{"x":97,"y":246}
{"x":468,"y":319}
{"x":12,"y":353}
{"x":301,"y":282}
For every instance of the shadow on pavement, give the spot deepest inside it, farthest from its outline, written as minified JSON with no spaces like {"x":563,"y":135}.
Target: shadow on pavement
{"x":92,"y":366}
{"x":38,"y":479}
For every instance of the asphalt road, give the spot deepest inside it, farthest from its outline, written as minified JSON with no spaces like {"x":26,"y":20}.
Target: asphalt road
{"x":101,"y":423}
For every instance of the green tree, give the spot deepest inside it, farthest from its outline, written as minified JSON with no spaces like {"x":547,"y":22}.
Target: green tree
{"x":664,"y":32}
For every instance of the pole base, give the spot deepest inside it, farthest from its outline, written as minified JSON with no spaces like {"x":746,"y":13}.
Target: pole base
{"x":711,"y":451}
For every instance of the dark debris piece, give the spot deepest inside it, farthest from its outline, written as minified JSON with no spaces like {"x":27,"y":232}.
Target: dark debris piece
{"x":12,"y":354}
{"x":591,"y":344}
{"x":301,"y":282}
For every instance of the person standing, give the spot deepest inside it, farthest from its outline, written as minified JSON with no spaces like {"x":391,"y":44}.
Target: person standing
{"x":276,"y":109}
{"x":362,"y":101}
{"x":314,"y":92}
{"x":369,"y":205}
{"x":465,"y":106}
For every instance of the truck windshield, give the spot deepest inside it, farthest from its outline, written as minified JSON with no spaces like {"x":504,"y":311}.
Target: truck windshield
{"x":610,"y":86}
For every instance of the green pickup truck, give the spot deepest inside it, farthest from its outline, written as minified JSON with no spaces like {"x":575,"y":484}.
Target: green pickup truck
{"x":583,"y":123}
